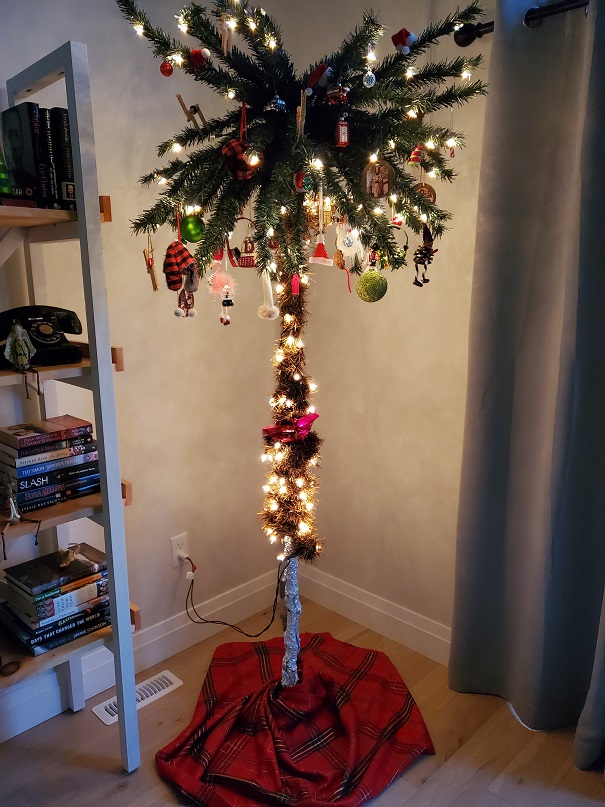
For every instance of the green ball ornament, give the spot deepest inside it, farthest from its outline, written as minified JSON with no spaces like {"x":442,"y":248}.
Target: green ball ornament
{"x":372,"y":286}
{"x":193,"y":228}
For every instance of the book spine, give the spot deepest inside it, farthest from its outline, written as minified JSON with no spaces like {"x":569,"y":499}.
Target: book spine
{"x":83,"y":488}
{"x":37,"y":495}
{"x":67,"y":624}
{"x":59,"y":590}
{"x":42,"y":196}
{"x":34,"y":623}
{"x":38,"y":504}
{"x":61,"y":453}
{"x":55,"y":606}
{"x":65,"y":475}
{"x":53,"y":644}
{"x":19,"y":154}
{"x":31,"y":439}
{"x":64,"y":157}
{"x":48,"y":152}
{"x":52,"y":465}
{"x":93,"y":568}
{"x":54,"y":446}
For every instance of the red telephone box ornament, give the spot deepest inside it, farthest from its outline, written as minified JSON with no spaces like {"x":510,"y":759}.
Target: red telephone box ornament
{"x":342,"y":133}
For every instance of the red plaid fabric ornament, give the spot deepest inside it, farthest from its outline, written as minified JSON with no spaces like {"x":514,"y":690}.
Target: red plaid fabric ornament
{"x":234,"y":152}
{"x":178,"y":261}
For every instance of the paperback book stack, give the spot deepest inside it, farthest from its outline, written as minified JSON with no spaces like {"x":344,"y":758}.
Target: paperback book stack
{"x":50,"y":461}
{"x":54,"y":599}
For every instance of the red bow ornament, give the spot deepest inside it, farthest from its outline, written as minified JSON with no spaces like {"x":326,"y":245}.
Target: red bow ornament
{"x":291,"y":431}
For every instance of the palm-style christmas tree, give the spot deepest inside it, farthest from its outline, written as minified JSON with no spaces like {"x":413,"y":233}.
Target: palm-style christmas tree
{"x":286,"y":142}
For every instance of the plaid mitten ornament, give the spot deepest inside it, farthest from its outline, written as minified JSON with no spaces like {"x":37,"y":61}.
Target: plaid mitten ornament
{"x":179,"y":266}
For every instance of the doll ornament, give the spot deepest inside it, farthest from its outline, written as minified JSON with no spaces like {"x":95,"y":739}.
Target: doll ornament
{"x":19,"y":348}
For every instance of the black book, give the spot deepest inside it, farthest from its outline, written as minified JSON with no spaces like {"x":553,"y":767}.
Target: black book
{"x":47,"y":153}
{"x":13,"y":626}
{"x":61,"y":139}
{"x":20,"y":151}
{"x":77,"y":484}
{"x":47,"y":572}
{"x":30,"y":637}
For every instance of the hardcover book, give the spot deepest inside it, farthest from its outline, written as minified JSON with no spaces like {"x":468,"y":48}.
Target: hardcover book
{"x":20,"y":151}
{"x":49,"y":639}
{"x":63,"y":625}
{"x":61,"y":138}
{"x":49,"y":571}
{"x":61,"y":619}
{"x":57,"y":606}
{"x":47,"y":153}
{"x":61,"y":427}
{"x":48,"y":465}
{"x":66,"y":588}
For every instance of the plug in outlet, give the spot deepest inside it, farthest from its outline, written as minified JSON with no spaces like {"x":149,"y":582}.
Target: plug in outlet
{"x":179,"y":544}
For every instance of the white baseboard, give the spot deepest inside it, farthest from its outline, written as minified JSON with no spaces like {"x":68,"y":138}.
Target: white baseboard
{"x":413,"y":630}
{"x":37,"y":699}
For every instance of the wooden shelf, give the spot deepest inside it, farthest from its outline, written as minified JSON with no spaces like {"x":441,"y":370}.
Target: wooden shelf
{"x":28,"y":217}
{"x":33,"y":216}
{"x":61,"y":513}
{"x":12,"y":650}
{"x":56,"y":372}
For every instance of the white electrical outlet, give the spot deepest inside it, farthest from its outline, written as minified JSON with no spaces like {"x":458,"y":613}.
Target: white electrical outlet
{"x":179,"y":544}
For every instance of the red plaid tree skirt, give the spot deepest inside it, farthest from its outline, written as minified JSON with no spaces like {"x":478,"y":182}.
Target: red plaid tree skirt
{"x":342,"y":735}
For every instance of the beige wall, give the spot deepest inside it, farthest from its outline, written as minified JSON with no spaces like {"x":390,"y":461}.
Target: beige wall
{"x":193,"y":399}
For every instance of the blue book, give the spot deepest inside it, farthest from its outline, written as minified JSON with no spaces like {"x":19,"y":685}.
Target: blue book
{"x":51,"y":465}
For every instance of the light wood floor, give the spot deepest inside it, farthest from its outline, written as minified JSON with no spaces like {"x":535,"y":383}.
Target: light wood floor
{"x":484,"y":758}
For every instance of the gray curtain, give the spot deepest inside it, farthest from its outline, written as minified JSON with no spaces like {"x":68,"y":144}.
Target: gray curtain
{"x":530,"y":564}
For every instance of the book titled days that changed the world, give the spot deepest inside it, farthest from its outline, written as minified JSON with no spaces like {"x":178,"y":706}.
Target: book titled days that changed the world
{"x":47,"y":572}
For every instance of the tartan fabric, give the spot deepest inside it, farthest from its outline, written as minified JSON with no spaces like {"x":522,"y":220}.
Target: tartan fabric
{"x":234,"y":152}
{"x":177,"y":262}
{"x":342,"y":735}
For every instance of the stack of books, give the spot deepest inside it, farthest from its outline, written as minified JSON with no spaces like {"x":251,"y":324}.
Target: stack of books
{"x":38,"y":157}
{"x":50,"y":461}
{"x":51,"y":600}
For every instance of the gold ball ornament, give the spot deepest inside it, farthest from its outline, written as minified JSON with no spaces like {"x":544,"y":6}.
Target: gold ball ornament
{"x":371,"y":286}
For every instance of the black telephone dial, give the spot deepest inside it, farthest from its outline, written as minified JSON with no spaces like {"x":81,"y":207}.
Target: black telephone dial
{"x":45,"y":326}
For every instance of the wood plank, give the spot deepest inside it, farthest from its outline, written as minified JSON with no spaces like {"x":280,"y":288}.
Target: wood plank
{"x":542,"y":774}
{"x":33,"y":216}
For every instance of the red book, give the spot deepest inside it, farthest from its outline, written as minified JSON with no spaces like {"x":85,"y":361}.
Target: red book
{"x":49,"y":430}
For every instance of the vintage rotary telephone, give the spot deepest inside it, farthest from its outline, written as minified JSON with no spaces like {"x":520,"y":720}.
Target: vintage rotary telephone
{"x":45,"y":325}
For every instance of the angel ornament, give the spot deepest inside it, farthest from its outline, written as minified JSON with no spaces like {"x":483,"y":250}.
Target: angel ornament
{"x":19,"y":348}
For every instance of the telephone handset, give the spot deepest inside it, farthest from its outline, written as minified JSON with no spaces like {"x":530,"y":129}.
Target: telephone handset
{"x":45,"y":325}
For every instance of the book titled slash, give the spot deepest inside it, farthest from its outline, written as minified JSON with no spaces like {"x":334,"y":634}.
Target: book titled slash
{"x":47,"y":571}
{"x":49,"y":430}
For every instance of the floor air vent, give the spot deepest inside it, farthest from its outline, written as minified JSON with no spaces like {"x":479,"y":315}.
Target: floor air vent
{"x":146,"y":691}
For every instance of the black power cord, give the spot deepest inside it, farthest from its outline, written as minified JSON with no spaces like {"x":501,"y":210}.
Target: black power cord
{"x":189,"y":604}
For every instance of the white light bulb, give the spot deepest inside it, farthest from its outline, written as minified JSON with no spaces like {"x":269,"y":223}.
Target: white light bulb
{"x":282,"y":400}
{"x":231,"y":94}
{"x":283,"y":489}
{"x":177,"y":58}
{"x":288,"y":318}
{"x":266,"y":488}
{"x":393,"y":197}
{"x":409,"y":73}
{"x":254,"y":160}
{"x":273,"y":539}
{"x":279,"y":456}
{"x":283,"y":210}
{"x":451,"y":142}
{"x":466,"y":74}
{"x":232,"y":23}
{"x":300,"y":343}
{"x":274,"y":505}
{"x":311,"y":410}
{"x":377,"y":211}
{"x":289,"y":403}
{"x":290,"y":340}
{"x":304,"y":279}
{"x":303,"y":527}
{"x":270,"y":232}
{"x":296,"y":376}
{"x":273,"y":479}
{"x":176,"y":147}
{"x":411,"y":113}
{"x":139,"y":28}
{"x":430,"y":144}
{"x":252,"y":25}
{"x":272,"y":43}
{"x":281,"y":557}
{"x":373,"y":157}
{"x":312,"y":461}
{"x":355,"y":233}
{"x":391,"y":144}
{"x":432,"y":174}
{"x":273,"y":266}
{"x":279,"y":357}
{"x":309,"y":505}
{"x":423,"y":217}
{"x":317,"y":164}
{"x":300,"y":482}
{"x":264,"y":457}
{"x":312,"y":386}
{"x":303,"y":496}
{"x":162,"y":181}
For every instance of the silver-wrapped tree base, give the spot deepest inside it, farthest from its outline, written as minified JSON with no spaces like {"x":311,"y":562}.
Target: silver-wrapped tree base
{"x":289,"y":668}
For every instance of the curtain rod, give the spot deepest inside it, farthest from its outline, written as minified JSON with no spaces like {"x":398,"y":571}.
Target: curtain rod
{"x":468,"y":32}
